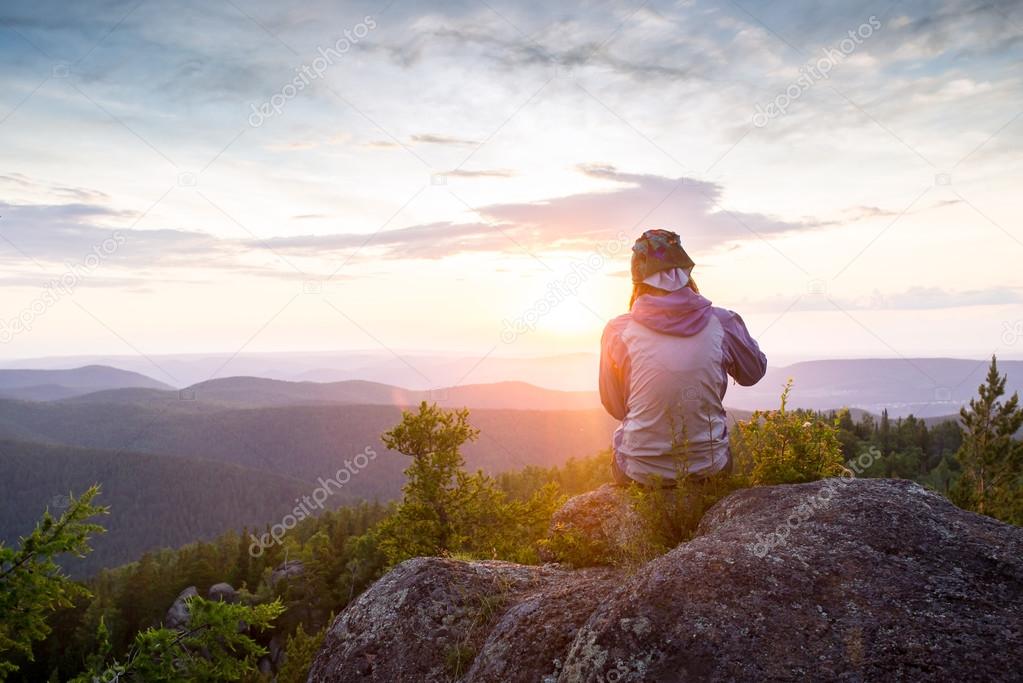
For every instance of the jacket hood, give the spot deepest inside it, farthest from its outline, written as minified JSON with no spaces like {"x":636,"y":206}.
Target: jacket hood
{"x":681,"y":313}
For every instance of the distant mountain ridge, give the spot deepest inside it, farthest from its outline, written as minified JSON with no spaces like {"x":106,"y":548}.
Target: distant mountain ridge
{"x":415,"y":370}
{"x":49,"y":385}
{"x":254,"y":392}
{"x":926,"y":387}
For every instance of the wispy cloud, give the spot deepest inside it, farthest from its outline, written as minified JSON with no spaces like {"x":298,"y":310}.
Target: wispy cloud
{"x":912,"y":299}
{"x":380,"y":144}
{"x":493,"y":173}
{"x":23,"y":184}
{"x":60,"y":232}
{"x":631,"y":203}
{"x":430,"y":139}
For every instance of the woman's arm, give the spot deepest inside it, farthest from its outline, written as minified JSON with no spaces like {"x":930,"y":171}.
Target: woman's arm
{"x":614,"y":369}
{"x":743,"y":359}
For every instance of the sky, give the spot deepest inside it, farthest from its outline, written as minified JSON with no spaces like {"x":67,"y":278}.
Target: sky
{"x":237,"y":176}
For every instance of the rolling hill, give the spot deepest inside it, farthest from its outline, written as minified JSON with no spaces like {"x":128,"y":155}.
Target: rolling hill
{"x":416,"y":370}
{"x":926,"y":387}
{"x":48,"y":385}
{"x":254,"y":392}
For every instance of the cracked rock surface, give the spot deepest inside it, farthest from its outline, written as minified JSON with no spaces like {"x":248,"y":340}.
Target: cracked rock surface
{"x":852,"y":580}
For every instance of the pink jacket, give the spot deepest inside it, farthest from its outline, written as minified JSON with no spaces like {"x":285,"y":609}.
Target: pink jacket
{"x":664,"y":370}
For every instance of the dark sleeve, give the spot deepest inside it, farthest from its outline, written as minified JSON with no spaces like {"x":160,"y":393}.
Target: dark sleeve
{"x":614,"y":369}
{"x":743,"y":359}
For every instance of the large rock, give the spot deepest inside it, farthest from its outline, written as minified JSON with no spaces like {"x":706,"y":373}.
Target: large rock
{"x":222,"y":592}
{"x":836,"y":580}
{"x":433,"y":619}
{"x":859,"y":580}
{"x":286,"y":571}
{"x":600,"y":527}
{"x":178,"y":616}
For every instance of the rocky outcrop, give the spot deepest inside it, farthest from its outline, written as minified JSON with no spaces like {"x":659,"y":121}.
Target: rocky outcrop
{"x":491,"y":621}
{"x":178,"y":616}
{"x":222,"y":592}
{"x":835,"y":580}
{"x":286,"y":571}
{"x":600,"y":526}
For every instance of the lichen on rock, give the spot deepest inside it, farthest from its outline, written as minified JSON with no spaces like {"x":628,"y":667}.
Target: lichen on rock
{"x":836,"y":579}
{"x":436,"y":619}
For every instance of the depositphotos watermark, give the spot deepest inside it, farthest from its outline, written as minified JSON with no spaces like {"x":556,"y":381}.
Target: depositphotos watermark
{"x":306,"y":504}
{"x":806,"y":510}
{"x":60,"y":287}
{"x":1012,"y":332}
{"x":815,"y":71}
{"x":559,"y":290}
{"x":307,"y":73}
{"x":614,"y":675}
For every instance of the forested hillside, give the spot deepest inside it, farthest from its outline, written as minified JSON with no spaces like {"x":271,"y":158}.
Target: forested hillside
{"x":304,"y":442}
{"x":175,"y":472}
{"x":155,"y":501}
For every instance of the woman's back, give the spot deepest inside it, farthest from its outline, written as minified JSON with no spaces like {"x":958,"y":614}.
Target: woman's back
{"x":664,"y":373}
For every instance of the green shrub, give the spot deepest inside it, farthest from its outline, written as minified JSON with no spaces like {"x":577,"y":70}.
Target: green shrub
{"x":786,"y":447}
{"x":670,"y":515}
{"x":773,"y":447}
{"x":298,"y":655}
{"x":576,"y":548}
{"x":447,"y":511}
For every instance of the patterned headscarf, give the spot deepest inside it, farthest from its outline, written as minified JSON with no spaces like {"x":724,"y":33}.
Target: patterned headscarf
{"x":656,"y":251}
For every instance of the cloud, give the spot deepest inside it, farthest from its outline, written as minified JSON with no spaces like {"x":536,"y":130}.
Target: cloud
{"x":429,"y":139}
{"x":912,"y":299}
{"x":634,"y":203}
{"x":977,"y":26}
{"x":381,"y":144}
{"x":495,"y":173}
{"x":433,"y":240}
{"x":593,"y":54}
{"x":659,"y":61}
{"x":928,"y":298}
{"x":39,"y":279}
{"x":21,"y":183}
{"x":631,"y":203}
{"x":307,"y":144}
{"x":860,"y":213}
{"x":70,"y":232}
{"x":297,"y":146}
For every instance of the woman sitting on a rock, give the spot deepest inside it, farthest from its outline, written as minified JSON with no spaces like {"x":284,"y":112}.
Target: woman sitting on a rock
{"x":663,"y":369}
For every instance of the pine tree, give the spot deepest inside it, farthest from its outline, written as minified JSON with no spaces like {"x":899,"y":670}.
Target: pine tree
{"x":241,"y":577}
{"x":32,"y":586}
{"x":992,"y":460}
{"x":885,"y":434}
{"x":426,"y":521}
{"x":218,"y":644}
